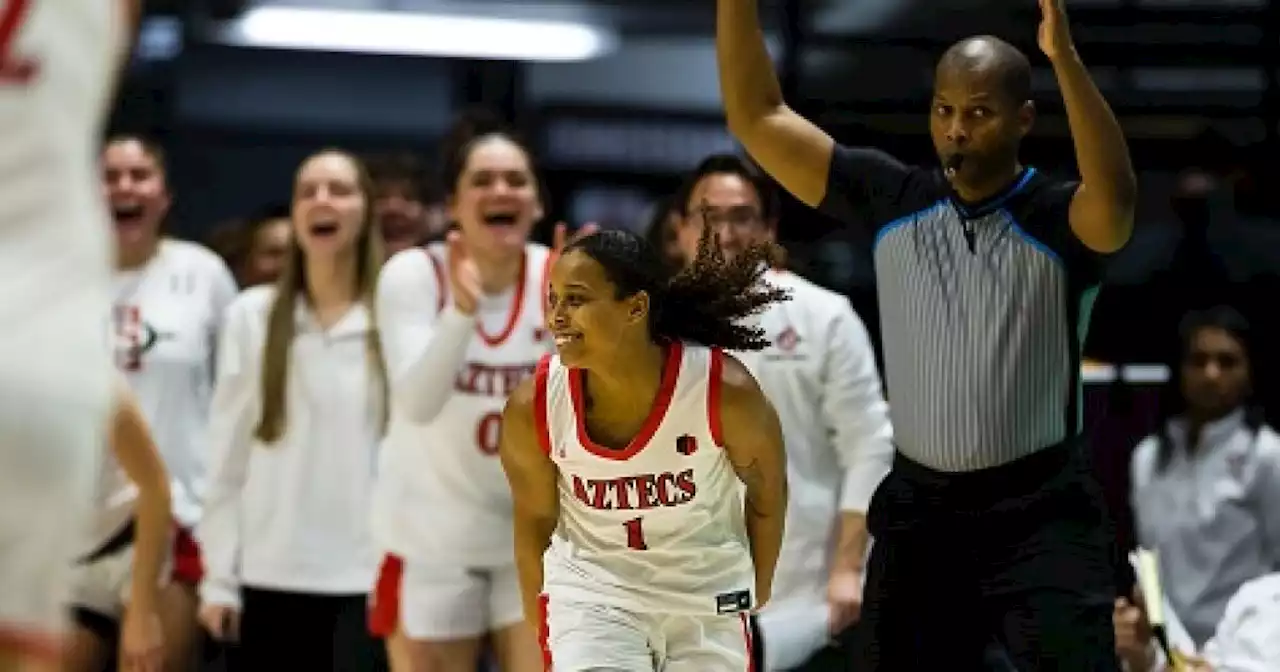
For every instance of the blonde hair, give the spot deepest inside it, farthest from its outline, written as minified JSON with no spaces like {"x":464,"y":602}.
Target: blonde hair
{"x":281,"y":324}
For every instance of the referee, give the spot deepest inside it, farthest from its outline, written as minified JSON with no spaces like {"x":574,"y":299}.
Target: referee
{"x":989,"y":528}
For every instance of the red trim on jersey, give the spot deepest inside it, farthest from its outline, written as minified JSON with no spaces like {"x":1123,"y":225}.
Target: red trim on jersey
{"x":442,"y":284}
{"x":670,"y":374}
{"x":513,"y":313}
{"x":540,"y":403}
{"x":544,"y":630}
{"x":32,"y":641}
{"x":384,"y":605}
{"x":751,"y":645}
{"x":713,"y":396}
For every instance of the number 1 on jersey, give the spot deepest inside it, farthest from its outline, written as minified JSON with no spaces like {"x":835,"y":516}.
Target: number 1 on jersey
{"x":14,"y":69}
{"x":635,"y":534}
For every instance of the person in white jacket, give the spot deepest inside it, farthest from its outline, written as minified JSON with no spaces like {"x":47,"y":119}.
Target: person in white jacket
{"x":820,"y":373}
{"x":299,"y":411}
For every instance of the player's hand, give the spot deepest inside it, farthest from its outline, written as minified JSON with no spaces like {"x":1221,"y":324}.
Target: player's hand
{"x":141,"y":641}
{"x":464,"y":275}
{"x":222,"y":622}
{"x":561,"y":236}
{"x":1055,"y":30}
{"x":844,"y":597}
{"x":1133,"y":634}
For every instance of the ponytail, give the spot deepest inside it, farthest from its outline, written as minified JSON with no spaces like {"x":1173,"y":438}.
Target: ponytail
{"x":707,"y":301}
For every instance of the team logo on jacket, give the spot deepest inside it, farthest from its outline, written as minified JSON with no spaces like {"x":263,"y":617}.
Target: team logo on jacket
{"x":788,"y":339}
{"x":686,"y":445}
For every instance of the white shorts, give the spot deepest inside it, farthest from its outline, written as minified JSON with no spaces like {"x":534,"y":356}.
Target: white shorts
{"x":594,"y":638}
{"x":55,"y":396}
{"x":102,"y":585}
{"x":431,"y":603}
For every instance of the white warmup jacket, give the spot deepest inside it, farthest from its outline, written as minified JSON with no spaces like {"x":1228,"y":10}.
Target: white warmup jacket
{"x":820,"y":374}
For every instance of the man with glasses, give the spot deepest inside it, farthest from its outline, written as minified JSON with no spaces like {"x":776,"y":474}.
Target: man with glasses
{"x":820,"y":373}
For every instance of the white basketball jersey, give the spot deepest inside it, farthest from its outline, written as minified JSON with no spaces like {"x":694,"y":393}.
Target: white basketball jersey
{"x":58,"y":62}
{"x":657,"y":526}
{"x":457,"y":505}
{"x":166,"y":317}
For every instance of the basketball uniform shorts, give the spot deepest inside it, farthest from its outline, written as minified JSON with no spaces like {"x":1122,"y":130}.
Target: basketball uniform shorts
{"x":55,"y":397}
{"x":101,"y":582}
{"x":580,"y":637}
{"x":430,"y":603}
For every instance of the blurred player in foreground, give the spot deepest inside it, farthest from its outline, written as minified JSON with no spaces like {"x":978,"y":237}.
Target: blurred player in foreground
{"x":58,"y":67}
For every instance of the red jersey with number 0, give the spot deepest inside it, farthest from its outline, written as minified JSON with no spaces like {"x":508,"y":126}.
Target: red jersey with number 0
{"x":656,"y":526}
{"x":443,"y":495}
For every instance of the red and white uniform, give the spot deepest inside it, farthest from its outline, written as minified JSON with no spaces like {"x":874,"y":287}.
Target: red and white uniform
{"x":166,"y":317}
{"x":57,"y":71}
{"x":650,"y":566}
{"x":442,"y":509}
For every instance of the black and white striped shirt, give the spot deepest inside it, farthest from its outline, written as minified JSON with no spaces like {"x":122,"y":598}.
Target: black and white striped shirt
{"x":983,"y":308}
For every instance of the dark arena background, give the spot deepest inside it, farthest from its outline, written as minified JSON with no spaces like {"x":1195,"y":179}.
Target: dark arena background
{"x":618,"y":117}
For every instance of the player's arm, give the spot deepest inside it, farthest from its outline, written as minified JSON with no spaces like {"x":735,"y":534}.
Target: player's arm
{"x":857,"y":419}
{"x":532,"y":476}
{"x":422,"y":344}
{"x":1102,"y":208}
{"x":753,"y":441}
{"x":136,"y":453}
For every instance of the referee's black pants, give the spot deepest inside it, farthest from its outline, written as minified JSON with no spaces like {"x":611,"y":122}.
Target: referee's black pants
{"x":1020,"y":556}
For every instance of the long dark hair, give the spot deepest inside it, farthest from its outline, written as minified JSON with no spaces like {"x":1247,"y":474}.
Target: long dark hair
{"x":702,"y":303}
{"x":1172,"y":401}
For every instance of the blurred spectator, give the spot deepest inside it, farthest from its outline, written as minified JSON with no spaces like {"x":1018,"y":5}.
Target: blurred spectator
{"x":300,"y":409}
{"x":256,"y":249}
{"x":662,"y":232}
{"x":405,"y":205}
{"x":168,"y":301}
{"x":1206,"y":486}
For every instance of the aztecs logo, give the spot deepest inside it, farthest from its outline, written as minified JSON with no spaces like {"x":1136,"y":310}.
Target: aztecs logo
{"x":134,"y":337}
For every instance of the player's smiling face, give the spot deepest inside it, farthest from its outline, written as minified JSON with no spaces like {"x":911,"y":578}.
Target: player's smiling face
{"x":495,"y":201}
{"x":585,"y":316}
{"x":330,"y":206}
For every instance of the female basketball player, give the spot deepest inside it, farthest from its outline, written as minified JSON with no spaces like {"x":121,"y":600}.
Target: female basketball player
{"x":116,"y":590}
{"x":168,"y":299}
{"x":297,"y":418}
{"x":463,"y":325}
{"x":622,"y":455}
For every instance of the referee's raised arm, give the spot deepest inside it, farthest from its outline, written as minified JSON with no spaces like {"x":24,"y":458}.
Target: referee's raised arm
{"x":843,"y":182}
{"x":790,"y":148}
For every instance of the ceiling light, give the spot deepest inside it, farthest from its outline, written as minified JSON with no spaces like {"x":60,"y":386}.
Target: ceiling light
{"x":416,"y":34}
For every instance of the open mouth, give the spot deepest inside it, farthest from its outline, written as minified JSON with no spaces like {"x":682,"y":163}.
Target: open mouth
{"x":502,"y":219}
{"x":323,"y":229}
{"x":127,"y":214}
{"x":952,"y":164}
